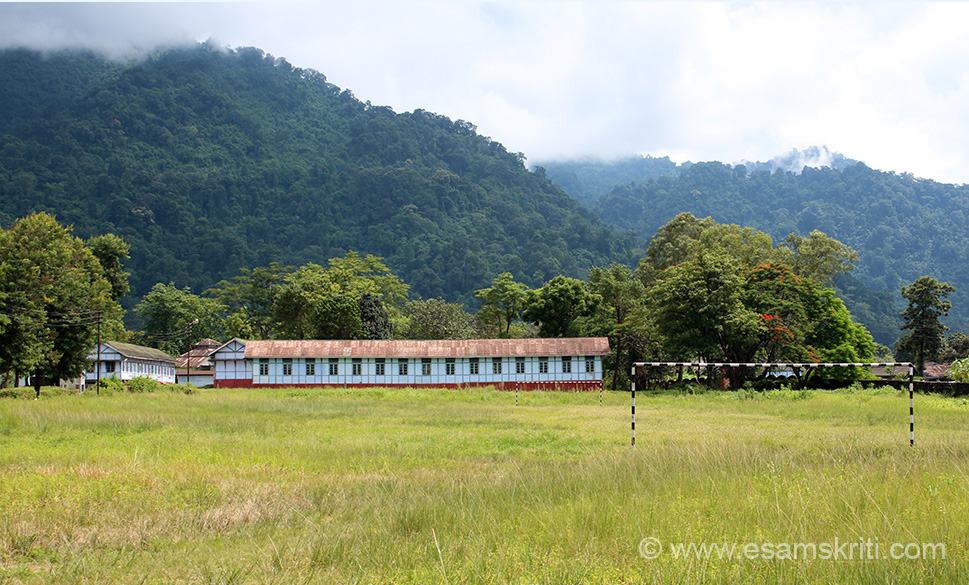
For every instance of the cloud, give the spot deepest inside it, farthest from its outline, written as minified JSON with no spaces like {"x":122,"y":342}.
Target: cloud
{"x":886,"y":84}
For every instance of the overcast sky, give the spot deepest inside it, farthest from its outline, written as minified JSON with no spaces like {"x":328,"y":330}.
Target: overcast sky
{"x":885,"y":83}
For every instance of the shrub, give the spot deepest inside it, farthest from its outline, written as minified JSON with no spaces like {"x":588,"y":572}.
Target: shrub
{"x":140,"y":385}
{"x":959,"y":370}
{"x":111,"y":385}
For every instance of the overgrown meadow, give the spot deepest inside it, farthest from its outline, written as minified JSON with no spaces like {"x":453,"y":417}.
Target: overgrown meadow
{"x":463,"y":486}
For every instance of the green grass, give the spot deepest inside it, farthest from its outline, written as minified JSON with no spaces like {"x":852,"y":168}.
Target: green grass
{"x":446,"y":486}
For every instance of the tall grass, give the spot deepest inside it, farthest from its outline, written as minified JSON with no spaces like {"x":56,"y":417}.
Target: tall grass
{"x":461,"y":486}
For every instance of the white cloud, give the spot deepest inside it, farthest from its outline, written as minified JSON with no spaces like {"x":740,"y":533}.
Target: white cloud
{"x":887,"y":84}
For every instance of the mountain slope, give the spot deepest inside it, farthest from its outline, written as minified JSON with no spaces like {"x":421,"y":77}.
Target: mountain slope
{"x":902,"y":227}
{"x":207,"y":160}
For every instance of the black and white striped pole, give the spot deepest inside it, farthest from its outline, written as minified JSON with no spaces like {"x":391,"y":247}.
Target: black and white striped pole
{"x":911,"y":406}
{"x":632,"y":387}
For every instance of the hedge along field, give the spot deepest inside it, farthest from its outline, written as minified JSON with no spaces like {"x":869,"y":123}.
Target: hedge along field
{"x":462,"y":486}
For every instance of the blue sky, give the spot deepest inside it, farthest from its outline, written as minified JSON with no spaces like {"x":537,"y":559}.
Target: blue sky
{"x":885,"y":83}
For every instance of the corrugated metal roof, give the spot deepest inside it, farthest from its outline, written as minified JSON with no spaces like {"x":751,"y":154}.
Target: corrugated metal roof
{"x":130,"y":350}
{"x":324,"y":348}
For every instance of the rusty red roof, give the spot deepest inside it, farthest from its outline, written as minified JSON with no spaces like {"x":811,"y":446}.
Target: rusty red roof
{"x":325,"y":348}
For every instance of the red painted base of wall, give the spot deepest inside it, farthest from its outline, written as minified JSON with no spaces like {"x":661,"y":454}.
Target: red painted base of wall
{"x":244,"y":383}
{"x":577,"y":386}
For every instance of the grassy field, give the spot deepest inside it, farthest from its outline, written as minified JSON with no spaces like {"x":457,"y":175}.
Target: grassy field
{"x":445,"y":486}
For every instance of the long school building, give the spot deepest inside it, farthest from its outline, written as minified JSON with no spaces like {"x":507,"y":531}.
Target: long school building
{"x":561,"y":363}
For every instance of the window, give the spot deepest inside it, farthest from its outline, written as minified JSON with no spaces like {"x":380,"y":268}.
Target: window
{"x":474,"y":366}
{"x":543,"y":365}
{"x":590,"y":364}
{"x":357,"y":366}
{"x":449,"y":367}
{"x":381,"y":363}
{"x":495,"y":365}
{"x":567,"y":364}
{"x":311,"y":367}
{"x":109,"y":367}
{"x":263,"y":367}
{"x":334,"y":366}
{"x":425,"y":366}
{"x":287,"y":366}
{"x":519,"y":365}
{"x":402,"y":367}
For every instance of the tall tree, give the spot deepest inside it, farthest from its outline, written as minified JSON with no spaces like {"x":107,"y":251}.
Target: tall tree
{"x":503,"y":301}
{"x":53,"y":294}
{"x":249,"y":298}
{"x":621,"y":293}
{"x":176,"y":318}
{"x":437,"y":319}
{"x":111,"y":252}
{"x":375,"y":318}
{"x":296,"y":299}
{"x":926,"y":303}
{"x":556,"y":306}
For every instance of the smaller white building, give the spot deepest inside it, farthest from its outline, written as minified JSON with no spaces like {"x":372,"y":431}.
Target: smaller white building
{"x":126,"y":361}
{"x":232,"y":369}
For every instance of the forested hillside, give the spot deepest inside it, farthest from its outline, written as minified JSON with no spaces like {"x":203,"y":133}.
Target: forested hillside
{"x":903,"y":227}
{"x":588,"y":180}
{"x":207,"y":161}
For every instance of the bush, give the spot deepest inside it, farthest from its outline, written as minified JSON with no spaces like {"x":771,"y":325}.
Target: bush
{"x":959,"y":370}
{"x":111,"y":385}
{"x":140,"y":385}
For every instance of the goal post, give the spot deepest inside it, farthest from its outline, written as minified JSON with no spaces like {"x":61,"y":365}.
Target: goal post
{"x":794,"y":366}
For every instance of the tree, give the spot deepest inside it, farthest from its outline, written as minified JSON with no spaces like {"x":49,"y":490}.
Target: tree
{"x":176,"y":318}
{"x":699,"y":311}
{"x":337,"y":316}
{"x":818,"y":256}
{"x":375,"y":318}
{"x":53,"y":294}
{"x":956,"y":347}
{"x":712,"y":309}
{"x":621,"y":293}
{"x":502,"y":302}
{"x":556,"y":306}
{"x":249,"y":299}
{"x":296,"y":299}
{"x":111,"y":251}
{"x":926,"y":303}
{"x":437,"y":319}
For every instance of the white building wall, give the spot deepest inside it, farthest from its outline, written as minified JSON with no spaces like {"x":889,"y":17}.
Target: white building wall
{"x":275,"y":373}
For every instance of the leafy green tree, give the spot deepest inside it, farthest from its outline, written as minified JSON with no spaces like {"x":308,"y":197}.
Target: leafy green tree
{"x":174,"y":319}
{"x":818,"y":256}
{"x":926,"y":303}
{"x":556,"y":306}
{"x":337,"y":316}
{"x":374,"y":318}
{"x":699,"y":311}
{"x":502,"y":302}
{"x":296,"y":300}
{"x":53,"y":293}
{"x":437,"y":319}
{"x":111,"y":251}
{"x":956,"y":347}
{"x":249,"y":299}
{"x":621,"y":293}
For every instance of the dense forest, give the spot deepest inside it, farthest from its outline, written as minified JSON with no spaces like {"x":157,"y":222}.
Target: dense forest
{"x":902,"y":227}
{"x":207,"y":160}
